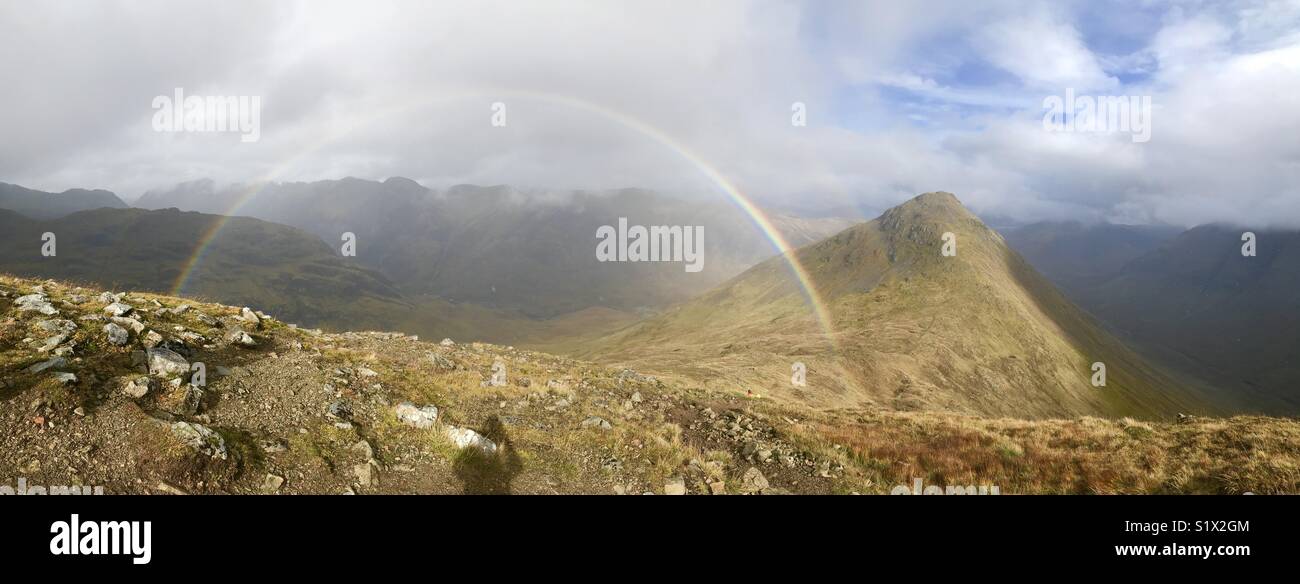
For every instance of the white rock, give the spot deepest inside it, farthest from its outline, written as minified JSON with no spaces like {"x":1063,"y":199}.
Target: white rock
{"x":465,"y":438}
{"x":166,"y":362}
{"x":410,"y":415}
{"x":118,"y":309}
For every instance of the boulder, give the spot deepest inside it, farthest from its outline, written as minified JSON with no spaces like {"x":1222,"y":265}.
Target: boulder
{"x":116,"y":334}
{"x":466,"y":438}
{"x":118,"y":309}
{"x":166,"y":362}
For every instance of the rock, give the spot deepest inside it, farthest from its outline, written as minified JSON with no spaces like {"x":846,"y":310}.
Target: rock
{"x":129,"y":322}
{"x":180,"y":309}
{"x":247,"y":315}
{"x":35,"y":302}
{"x":193,"y":400}
{"x":242,"y":339}
{"x":49,"y":344}
{"x":441,"y":362}
{"x":753,"y":481}
{"x":636,"y":397}
{"x":65,"y":378}
{"x":208,"y":320}
{"x":465,"y":438}
{"x":363,"y":448}
{"x":596,"y":422}
{"x":118,"y":309}
{"x":151,"y":339}
{"x":447,"y":343}
{"x":718,"y":488}
{"x":272,"y":483}
{"x":339,"y":410}
{"x":675,"y":486}
{"x":418,"y":417}
{"x":54,"y":363}
{"x":364,"y":372}
{"x":200,"y":438}
{"x":80,"y":411}
{"x":56,"y":325}
{"x":116,"y":334}
{"x":139,"y":387}
{"x":166,"y":362}
{"x":362,"y":472}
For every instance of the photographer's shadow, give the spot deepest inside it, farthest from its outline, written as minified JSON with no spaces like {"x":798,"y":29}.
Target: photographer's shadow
{"x":489,"y":474}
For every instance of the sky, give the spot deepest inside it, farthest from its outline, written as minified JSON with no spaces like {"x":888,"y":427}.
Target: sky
{"x":900,"y":98}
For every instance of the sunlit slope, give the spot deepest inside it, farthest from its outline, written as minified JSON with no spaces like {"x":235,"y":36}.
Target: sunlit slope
{"x":909,"y":328}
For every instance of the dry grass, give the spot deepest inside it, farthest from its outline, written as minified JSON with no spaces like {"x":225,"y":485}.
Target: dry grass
{"x":1079,"y":456}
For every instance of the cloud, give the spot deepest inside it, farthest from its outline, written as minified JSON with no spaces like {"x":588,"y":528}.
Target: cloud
{"x":901,"y":98}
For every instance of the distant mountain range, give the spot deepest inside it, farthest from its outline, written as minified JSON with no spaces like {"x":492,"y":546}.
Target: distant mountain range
{"x":501,"y":249}
{"x":42,"y":205}
{"x":1189,"y":298}
{"x":282,"y":269}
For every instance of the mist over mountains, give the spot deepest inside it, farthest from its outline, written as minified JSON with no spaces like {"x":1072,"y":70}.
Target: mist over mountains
{"x":503,"y":249}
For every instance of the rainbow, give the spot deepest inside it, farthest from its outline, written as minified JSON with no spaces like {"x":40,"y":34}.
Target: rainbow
{"x":737,"y":197}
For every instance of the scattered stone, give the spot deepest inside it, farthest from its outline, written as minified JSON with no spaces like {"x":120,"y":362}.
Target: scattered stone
{"x":54,"y":363}
{"x":247,"y":315}
{"x":35,"y":302}
{"x":57,"y":325}
{"x":441,"y":362}
{"x":675,"y":486}
{"x":363,"y":448}
{"x":139,"y":387}
{"x":718,"y":488}
{"x":129,"y":322}
{"x":118,"y":309}
{"x":416,"y":417}
{"x":65,"y":378}
{"x":753,"y":481}
{"x":339,"y":410}
{"x":116,"y":334}
{"x":166,"y":362}
{"x":272,"y":483}
{"x":465,"y":438}
{"x":447,"y":343}
{"x":49,"y":344}
{"x":151,"y":339}
{"x":596,"y":422}
{"x":200,"y":438}
{"x":242,"y":339}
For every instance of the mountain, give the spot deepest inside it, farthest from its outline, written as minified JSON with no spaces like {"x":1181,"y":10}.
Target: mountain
{"x":1076,"y":255}
{"x":43,"y":205}
{"x":980,"y":332}
{"x":1202,"y":305}
{"x":533,"y":254}
{"x":279,"y":268}
{"x":290,"y":410}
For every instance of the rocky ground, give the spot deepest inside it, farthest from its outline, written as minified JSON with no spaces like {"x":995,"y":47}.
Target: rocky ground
{"x":140,"y":393}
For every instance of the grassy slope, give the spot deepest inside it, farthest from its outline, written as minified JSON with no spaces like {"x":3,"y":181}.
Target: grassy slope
{"x":980,"y":332}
